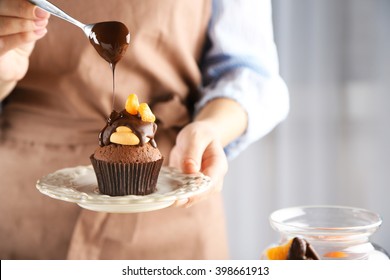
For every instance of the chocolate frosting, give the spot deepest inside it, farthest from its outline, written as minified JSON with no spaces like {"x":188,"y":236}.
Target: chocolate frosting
{"x":144,"y":130}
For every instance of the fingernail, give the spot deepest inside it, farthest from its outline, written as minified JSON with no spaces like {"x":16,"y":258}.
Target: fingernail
{"x":190,"y":166}
{"x":40,"y":13}
{"x":40,"y":32}
{"x":181,"y":202}
{"x":41,"y":22}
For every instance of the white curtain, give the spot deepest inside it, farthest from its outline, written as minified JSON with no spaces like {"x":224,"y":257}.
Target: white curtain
{"x":334,"y":148}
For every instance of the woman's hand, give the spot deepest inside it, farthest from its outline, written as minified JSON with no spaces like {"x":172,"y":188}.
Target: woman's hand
{"x":199,"y":149}
{"x":199,"y":145}
{"x":21,"y":25}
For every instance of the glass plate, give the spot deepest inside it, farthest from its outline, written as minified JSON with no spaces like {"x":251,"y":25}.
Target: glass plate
{"x":79,"y":185}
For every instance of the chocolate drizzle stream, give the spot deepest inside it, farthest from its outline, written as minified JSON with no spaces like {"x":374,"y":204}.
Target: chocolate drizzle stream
{"x":110,"y":39}
{"x":144,"y":130}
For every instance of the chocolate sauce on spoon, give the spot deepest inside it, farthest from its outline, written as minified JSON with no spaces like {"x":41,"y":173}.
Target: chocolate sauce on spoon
{"x":110,"y":39}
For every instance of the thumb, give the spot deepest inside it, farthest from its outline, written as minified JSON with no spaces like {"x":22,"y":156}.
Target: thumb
{"x":190,"y":165}
{"x":192,"y":154}
{"x":189,"y":150}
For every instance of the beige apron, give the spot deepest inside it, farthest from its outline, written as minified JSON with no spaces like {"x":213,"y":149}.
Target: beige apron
{"x":52,"y":119}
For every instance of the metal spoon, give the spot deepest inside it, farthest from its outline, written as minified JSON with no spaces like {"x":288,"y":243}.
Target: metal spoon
{"x":110,"y":39}
{"x":54,"y":10}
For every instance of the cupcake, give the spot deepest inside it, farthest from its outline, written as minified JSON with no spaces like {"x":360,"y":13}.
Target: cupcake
{"x":127,"y":161}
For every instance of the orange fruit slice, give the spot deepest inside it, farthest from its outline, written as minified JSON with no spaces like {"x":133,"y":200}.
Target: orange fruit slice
{"x":336,"y":255}
{"x":279,"y":252}
{"x":146,"y":113}
{"x":132,"y":104}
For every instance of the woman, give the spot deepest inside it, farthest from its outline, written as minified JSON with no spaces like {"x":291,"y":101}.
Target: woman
{"x":212,"y":85}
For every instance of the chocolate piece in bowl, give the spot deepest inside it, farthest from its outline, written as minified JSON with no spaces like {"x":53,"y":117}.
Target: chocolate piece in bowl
{"x":300,"y":249}
{"x":294,"y":249}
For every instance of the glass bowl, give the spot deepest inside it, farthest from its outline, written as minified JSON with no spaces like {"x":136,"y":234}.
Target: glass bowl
{"x":335,"y":232}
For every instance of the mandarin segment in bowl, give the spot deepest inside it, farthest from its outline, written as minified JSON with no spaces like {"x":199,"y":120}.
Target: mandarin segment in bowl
{"x":279,"y":252}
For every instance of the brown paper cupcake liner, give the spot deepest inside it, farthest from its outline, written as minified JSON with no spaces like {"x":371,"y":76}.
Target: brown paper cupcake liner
{"x":118,"y":179}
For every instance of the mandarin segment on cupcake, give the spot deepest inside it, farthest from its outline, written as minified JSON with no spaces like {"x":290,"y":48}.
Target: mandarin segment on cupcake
{"x":133,"y":107}
{"x":123,"y":129}
{"x":132,"y":104}
{"x":146,"y":113}
{"x":124,"y":136}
